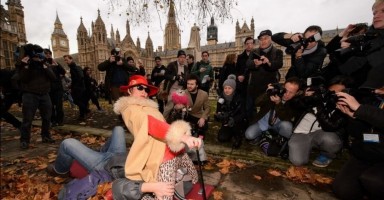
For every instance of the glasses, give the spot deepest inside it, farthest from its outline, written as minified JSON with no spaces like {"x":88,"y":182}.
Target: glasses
{"x":141,"y":88}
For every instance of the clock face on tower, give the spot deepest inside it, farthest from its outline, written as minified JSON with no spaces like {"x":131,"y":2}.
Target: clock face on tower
{"x":63,"y":43}
{"x":54,"y":42}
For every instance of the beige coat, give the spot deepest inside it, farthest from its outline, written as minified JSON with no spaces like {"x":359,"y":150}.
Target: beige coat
{"x":148,"y":150}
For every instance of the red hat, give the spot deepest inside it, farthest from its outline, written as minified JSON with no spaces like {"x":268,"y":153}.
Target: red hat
{"x":139,"y":80}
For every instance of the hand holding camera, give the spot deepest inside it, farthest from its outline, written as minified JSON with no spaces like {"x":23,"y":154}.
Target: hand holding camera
{"x":112,"y":59}
{"x":296,"y":37}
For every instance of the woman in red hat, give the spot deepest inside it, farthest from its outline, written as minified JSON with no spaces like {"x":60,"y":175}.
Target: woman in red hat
{"x":158,"y":148}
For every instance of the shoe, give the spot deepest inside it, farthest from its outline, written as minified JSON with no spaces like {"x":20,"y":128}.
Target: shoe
{"x":48,"y":139}
{"x":322,"y":161}
{"x":53,"y":124}
{"x":255,"y":142}
{"x":51,"y":171}
{"x":24,"y":145}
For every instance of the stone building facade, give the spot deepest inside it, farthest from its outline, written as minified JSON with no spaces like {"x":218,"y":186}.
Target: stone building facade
{"x":12,"y":32}
{"x":94,"y":45}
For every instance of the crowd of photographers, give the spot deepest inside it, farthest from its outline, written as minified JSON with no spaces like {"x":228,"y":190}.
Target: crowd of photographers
{"x":318,"y":107}
{"x":328,"y":108}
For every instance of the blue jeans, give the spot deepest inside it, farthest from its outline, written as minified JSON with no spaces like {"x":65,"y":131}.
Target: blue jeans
{"x":300,"y":145}
{"x":284,"y":128}
{"x":71,"y":149}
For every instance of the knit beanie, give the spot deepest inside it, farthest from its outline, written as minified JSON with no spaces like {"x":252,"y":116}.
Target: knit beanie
{"x":231,"y":81}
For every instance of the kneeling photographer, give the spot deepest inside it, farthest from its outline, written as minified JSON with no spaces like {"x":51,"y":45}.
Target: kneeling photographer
{"x":321,"y":124}
{"x":230,"y":111}
{"x":278,"y":111}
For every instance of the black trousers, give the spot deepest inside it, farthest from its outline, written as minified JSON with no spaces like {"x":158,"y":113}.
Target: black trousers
{"x":80,"y":100}
{"x":5,"y":104}
{"x":32,"y":102}
{"x":196,"y":130}
{"x":359,"y":178}
{"x":57,"y":106}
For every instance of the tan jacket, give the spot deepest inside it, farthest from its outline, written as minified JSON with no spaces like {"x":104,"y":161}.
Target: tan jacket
{"x":148,"y":149}
{"x":200,"y":108}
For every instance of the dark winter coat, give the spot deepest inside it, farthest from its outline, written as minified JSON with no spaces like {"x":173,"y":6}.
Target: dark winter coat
{"x":111,"y":68}
{"x":308,"y":65}
{"x":171,"y":75}
{"x":35,"y":77}
{"x":260,"y":77}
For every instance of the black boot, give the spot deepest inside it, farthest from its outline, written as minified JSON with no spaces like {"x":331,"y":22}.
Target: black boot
{"x":24,"y":145}
{"x":47,"y":139}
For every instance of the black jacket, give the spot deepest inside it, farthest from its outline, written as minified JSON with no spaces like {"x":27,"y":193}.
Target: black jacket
{"x":226,"y":70}
{"x":156,"y":80}
{"x":77,"y":77}
{"x":369,"y":119}
{"x":369,"y":66}
{"x":288,"y":111}
{"x":111,"y":68}
{"x":59,"y":71}
{"x":329,"y":118}
{"x":171,"y":75}
{"x":260,"y":77}
{"x":234,"y":108}
{"x":35,"y":77}
{"x":241,"y":70}
{"x":308,"y":65}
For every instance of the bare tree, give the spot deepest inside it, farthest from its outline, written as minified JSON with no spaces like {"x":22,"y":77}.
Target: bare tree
{"x":142,"y":11}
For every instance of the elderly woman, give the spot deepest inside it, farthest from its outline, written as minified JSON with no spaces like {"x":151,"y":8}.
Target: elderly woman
{"x":157,"y":151}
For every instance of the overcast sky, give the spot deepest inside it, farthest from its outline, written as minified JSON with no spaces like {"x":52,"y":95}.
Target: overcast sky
{"x":276,"y":15}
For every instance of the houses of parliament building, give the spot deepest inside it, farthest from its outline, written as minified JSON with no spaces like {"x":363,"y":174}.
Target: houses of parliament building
{"x":94,"y":47}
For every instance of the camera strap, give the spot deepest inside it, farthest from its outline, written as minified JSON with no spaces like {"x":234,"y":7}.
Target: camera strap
{"x":272,"y":116}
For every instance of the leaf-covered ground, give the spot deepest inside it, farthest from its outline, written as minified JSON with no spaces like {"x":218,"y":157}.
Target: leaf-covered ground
{"x":23,"y":176}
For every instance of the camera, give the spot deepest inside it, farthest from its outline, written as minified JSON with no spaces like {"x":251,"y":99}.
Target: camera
{"x":181,"y":80}
{"x":303,"y":42}
{"x":277,"y":89}
{"x":222,"y":117}
{"x":30,"y":50}
{"x":257,"y":56}
{"x":116,"y":52}
{"x":360,"y":44}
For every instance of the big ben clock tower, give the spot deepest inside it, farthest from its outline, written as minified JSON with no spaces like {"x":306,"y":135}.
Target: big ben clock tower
{"x":59,"y":40}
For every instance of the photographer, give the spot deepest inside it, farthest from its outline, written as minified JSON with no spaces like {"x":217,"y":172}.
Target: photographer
{"x":35,"y":80}
{"x":57,"y":91}
{"x":157,"y":76}
{"x":230,"y":111}
{"x":263,"y":65}
{"x":340,"y":51}
{"x":369,"y":61}
{"x":175,"y":79}
{"x":77,"y":86}
{"x":117,"y":73}
{"x":363,"y":175}
{"x":307,"y":51}
{"x":277,"y":110}
{"x":320,"y":126}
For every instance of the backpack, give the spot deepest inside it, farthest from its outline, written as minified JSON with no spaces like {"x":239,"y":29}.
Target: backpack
{"x":274,"y":144}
